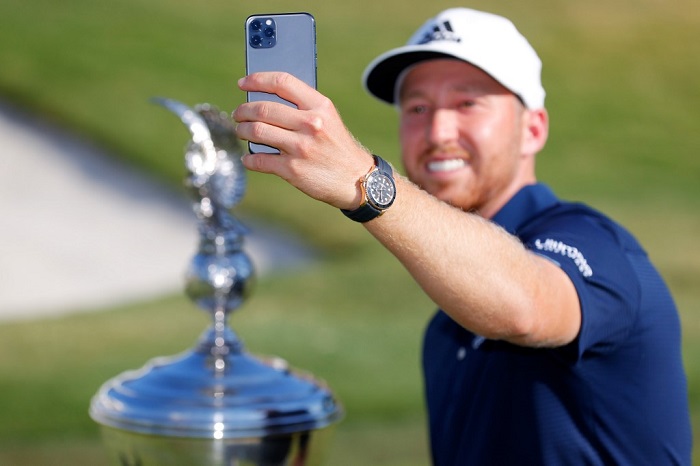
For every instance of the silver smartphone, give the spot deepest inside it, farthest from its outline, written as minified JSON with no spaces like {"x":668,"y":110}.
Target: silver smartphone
{"x":280,"y":42}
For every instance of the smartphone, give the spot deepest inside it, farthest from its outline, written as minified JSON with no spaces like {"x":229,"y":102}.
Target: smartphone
{"x":280,"y":42}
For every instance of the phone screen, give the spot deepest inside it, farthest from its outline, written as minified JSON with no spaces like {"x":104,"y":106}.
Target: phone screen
{"x":280,"y":42}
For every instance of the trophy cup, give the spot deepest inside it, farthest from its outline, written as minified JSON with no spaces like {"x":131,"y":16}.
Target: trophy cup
{"x":215,"y":404}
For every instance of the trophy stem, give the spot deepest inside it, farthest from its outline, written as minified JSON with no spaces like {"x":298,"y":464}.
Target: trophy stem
{"x":221,"y":348}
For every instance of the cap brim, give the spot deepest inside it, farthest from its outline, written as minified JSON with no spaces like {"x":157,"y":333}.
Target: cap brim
{"x":381,"y":75}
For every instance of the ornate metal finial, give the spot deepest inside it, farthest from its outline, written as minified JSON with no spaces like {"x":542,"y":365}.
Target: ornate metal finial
{"x":220,"y":274}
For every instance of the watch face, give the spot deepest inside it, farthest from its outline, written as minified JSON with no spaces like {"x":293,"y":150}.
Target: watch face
{"x":381,"y":190}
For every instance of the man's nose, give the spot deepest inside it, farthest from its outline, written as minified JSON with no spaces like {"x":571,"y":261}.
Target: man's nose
{"x":444,"y":126}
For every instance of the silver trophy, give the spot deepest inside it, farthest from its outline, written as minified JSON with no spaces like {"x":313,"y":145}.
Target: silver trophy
{"x":215,"y":404}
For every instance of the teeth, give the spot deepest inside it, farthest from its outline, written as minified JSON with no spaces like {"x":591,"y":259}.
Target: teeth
{"x":446,"y":165}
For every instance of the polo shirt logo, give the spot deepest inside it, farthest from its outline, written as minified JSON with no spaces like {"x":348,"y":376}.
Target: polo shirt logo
{"x":557,"y":247}
{"x":441,"y":31}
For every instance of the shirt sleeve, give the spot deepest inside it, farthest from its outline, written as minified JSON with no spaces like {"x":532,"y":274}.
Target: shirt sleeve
{"x":594,"y":254}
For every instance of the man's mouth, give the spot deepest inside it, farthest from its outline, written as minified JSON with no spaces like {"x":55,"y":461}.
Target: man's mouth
{"x":441,"y":166}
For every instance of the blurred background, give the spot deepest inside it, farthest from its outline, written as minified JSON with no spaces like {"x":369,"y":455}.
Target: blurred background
{"x":622,"y":91}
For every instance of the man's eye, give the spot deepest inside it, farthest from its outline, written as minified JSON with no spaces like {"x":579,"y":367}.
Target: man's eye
{"x":466,"y":104}
{"x":418,"y":109}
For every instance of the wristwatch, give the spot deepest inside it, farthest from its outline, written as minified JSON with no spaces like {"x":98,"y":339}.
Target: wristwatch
{"x":378,"y":192}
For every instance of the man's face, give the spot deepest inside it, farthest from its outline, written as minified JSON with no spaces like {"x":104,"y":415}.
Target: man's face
{"x":461,"y":136}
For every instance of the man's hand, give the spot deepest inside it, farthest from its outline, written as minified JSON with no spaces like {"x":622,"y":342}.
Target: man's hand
{"x":318,"y":155}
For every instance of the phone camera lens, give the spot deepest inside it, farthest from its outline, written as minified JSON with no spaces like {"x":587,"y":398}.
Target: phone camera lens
{"x":262,"y":32}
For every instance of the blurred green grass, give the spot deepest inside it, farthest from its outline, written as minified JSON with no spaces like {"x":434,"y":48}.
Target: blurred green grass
{"x":622,"y":93}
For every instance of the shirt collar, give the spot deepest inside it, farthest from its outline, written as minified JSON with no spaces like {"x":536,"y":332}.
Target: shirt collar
{"x":527,"y":203}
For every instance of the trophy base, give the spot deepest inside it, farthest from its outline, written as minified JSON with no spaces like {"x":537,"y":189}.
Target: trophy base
{"x":296,"y":449}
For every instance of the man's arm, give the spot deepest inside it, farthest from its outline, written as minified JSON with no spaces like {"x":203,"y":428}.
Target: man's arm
{"x":477,"y":273}
{"x":480,"y":275}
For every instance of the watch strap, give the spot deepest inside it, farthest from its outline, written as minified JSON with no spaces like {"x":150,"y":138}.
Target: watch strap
{"x":383,"y":166}
{"x":364,"y":213}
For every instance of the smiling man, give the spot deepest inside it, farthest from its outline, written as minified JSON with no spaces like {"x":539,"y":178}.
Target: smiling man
{"x":556,"y":341}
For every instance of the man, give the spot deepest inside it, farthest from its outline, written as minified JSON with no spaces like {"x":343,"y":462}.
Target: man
{"x":556,"y":341}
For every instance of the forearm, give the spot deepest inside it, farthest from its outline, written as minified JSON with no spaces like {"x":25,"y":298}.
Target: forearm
{"x":476,"y":272}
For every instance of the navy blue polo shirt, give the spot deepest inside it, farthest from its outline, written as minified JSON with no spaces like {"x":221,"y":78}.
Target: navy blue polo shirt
{"x":617,"y":395}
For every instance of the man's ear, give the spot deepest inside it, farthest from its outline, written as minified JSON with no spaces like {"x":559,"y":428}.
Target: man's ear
{"x":535,"y":131}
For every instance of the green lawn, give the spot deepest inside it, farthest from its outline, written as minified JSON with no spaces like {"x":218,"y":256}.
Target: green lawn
{"x":622,"y":92}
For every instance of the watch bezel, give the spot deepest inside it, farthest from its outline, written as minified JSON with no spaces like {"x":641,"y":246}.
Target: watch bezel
{"x":376,"y":176}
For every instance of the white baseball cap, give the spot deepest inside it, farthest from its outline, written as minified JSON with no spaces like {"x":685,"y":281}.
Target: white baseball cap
{"x":487,"y":41}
